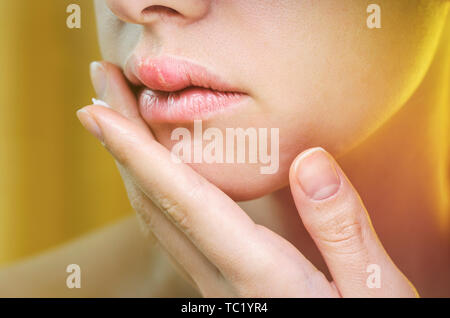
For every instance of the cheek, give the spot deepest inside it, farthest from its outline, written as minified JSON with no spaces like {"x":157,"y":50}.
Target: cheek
{"x":321,"y":77}
{"x":337,"y":81}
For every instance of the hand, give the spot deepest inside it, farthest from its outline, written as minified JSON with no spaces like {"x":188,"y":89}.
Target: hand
{"x":219,"y":248}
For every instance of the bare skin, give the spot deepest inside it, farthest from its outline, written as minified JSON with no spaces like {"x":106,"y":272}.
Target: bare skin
{"x":404,"y":194}
{"x":407,"y":195}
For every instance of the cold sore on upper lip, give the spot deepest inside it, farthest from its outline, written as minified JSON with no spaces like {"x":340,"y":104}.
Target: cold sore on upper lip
{"x":169,"y":74}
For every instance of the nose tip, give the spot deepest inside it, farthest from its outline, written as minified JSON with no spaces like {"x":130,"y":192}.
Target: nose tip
{"x":149,"y":11}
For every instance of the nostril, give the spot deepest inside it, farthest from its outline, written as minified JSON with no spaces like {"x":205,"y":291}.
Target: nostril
{"x":158,"y":9}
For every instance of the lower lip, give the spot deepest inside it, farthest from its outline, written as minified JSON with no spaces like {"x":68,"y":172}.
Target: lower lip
{"x":186,"y":105}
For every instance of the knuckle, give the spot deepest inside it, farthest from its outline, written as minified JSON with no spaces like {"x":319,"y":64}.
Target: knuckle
{"x":143,"y":208}
{"x":342,"y":231}
{"x":247,"y":281}
{"x":268,"y":281}
{"x":144,"y":214}
{"x":175,"y":212}
{"x":146,"y":217}
{"x":146,"y":228}
{"x":137,"y":203}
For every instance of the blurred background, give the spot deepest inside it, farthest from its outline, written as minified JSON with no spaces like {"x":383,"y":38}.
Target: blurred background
{"x":56,"y":181}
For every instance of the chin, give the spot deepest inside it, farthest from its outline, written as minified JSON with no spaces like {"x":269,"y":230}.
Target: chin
{"x":242,"y":182}
{"x":244,"y":173}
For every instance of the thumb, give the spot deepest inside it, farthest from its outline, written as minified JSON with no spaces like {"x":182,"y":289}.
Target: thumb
{"x":336,"y":219}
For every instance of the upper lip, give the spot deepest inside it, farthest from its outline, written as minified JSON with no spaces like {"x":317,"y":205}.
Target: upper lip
{"x":171,"y":74}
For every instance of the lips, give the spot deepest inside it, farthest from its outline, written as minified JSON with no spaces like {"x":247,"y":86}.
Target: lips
{"x":179,"y":91}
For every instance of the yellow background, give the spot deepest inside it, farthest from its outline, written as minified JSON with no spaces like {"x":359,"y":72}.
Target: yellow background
{"x":56,"y":181}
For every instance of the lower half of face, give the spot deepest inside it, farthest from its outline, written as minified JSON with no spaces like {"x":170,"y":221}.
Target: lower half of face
{"x":278,"y":77}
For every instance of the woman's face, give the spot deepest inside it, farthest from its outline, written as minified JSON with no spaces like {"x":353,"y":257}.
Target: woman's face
{"x":312,"y":69}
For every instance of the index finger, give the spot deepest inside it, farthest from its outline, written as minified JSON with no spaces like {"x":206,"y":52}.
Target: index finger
{"x":220,"y":229}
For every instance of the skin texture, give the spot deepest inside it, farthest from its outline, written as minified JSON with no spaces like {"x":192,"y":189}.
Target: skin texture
{"x":348,"y":107}
{"x":320,"y":70}
{"x":219,"y":247}
{"x":375,"y":99}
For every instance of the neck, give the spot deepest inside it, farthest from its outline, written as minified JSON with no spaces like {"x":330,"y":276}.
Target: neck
{"x":401,"y":171}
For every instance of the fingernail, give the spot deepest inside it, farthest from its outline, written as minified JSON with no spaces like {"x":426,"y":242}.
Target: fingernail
{"x":317,"y":174}
{"x":98,"y":77}
{"x":90,"y":123}
{"x":100,"y":102}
